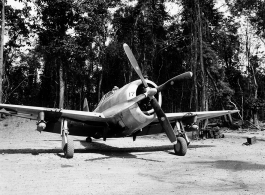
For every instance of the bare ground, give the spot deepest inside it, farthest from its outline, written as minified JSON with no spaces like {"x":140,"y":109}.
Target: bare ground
{"x":32,"y":163}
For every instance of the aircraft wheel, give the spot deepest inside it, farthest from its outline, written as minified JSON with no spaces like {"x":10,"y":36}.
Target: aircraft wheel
{"x":69,"y":148}
{"x":181,"y":147}
{"x":183,"y":136}
{"x":88,"y":139}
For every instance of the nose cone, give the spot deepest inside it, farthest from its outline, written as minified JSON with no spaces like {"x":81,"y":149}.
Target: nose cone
{"x":151,"y":92}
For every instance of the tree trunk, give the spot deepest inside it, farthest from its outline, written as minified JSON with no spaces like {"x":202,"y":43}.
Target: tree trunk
{"x":254,"y":111}
{"x":62,"y":85}
{"x":195,"y":84}
{"x":2,"y":51}
{"x":203,"y":87}
{"x":99,"y":85}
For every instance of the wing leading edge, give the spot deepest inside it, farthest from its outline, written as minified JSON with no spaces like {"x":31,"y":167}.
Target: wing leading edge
{"x":32,"y":113}
{"x":200,"y":115}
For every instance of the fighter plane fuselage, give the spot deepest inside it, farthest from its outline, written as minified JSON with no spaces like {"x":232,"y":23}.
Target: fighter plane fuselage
{"x":124,"y":123}
{"x":137,"y":115}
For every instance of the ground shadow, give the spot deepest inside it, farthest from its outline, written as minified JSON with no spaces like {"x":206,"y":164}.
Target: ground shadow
{"x":100,"y":148}
{"x":29,"y":151}
{"x":119,"y":152}
{"x":201,"y":146}
{"x":97,"y":146}
{"x":233,"y":165}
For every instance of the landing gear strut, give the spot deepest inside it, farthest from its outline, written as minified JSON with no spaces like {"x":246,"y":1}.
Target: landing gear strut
{"x":67,"y":142}
{"x":180,"y":132}
{"x":183,"y":141}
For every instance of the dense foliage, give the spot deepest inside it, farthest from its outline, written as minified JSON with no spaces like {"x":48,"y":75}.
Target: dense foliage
{"x":74,"y":51}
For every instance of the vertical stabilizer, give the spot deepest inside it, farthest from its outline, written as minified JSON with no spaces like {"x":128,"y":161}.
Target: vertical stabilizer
{"x":85,"y":105}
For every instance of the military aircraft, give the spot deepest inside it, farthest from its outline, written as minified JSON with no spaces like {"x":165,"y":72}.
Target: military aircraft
{"x":133,"y":110}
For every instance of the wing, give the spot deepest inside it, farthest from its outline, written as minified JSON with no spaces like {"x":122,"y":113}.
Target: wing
{"x":200,"y":115}
{"x":32,"y":113}
{"x":214,"y":114}
{"x":155,"y":128}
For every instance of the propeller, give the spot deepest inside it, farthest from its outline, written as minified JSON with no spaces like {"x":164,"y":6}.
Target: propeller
{"x":170,"y":82}
{"x":134,"y":63}
{"x":150,"y":92}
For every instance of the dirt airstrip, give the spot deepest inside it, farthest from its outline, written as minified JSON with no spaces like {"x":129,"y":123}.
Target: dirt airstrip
{"x":32,"y":163}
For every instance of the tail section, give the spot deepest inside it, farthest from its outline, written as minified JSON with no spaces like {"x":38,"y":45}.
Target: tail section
{"x":85,"y":105}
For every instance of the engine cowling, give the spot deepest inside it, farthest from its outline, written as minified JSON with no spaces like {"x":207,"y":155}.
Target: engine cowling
{"x":134,"y":117}
{"x":141,"y":114}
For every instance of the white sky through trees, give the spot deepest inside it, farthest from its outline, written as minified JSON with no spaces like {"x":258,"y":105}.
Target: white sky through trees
{"x":257,"y":46}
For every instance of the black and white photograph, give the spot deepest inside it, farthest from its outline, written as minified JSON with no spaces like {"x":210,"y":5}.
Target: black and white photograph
{"x":137,"y":97}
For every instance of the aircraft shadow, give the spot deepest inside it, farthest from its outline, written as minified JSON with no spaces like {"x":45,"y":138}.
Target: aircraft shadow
{"x":97,"y":147}
{"x":100,"y":148}
{"x":119,"y":152}
{"x":29,"y":151}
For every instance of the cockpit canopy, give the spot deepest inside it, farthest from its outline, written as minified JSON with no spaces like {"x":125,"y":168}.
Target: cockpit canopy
{"x":108,"y":95}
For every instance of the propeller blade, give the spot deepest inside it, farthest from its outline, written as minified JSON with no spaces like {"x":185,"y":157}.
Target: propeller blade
{"x":186,"y":75}
{"x":134,"y":63}
{"x":151,"y":92}
{"x":164,"y":121}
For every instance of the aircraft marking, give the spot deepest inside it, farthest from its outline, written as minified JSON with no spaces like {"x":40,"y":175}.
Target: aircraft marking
{"x":131,"y":94}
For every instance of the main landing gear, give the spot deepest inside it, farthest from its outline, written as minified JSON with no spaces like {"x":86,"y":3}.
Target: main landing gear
{"x":183,"y":141}
{"x":89,"y":140}
{"x":180,"y":147}
{"x":67,"y":142}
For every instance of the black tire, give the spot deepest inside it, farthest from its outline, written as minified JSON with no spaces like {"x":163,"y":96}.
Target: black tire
{"x":89,"y":140}
{"x":69,"y":148}
{"x":182,"y":135}
{"x":181,"y":147}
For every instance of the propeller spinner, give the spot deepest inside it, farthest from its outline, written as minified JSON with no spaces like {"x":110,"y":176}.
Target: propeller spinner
{"x":150,"y":92}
